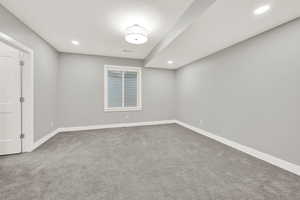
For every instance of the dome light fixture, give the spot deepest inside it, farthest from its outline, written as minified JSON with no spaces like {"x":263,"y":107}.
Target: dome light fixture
{"x":136,"y":34}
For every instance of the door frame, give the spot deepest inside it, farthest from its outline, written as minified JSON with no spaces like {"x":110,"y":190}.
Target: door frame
{"x":28,"y":91}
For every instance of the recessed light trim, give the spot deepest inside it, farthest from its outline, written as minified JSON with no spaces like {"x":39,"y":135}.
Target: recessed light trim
{"x":136,"y":34}
{"x":75,"y":42}
{"x":170,"y":62}
{"x":262,"y":9}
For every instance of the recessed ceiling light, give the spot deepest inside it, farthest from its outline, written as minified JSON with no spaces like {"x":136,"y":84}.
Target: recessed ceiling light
{"x":136,"y":34}
{"x":262,"y":9}
{"x":75,"y":42}
{"x":170,"y":62}
{"x":5,"y":36}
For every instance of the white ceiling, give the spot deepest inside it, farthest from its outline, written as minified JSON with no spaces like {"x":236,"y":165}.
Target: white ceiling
{"x":223,"y":24}
{"x":98,"y":24}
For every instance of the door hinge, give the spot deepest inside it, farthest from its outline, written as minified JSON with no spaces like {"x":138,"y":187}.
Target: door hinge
{"x":22,"y":99}
{"x":22,"y":135}
{"x":22,"y":63}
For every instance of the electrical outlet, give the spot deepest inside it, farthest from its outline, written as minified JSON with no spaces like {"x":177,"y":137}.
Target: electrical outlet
{"x":51,"y":124}
{"x":200,"y":121}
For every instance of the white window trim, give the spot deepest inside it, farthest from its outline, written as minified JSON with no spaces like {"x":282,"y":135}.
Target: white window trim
{"x":139,"y":88}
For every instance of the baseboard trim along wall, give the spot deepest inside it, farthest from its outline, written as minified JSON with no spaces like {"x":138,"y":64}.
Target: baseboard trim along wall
{"x":114,"y":125}
{"x":95,"y":127}
{"x":248,"y":150}
{"x":44,"y":139}
{"x":253,"y":152}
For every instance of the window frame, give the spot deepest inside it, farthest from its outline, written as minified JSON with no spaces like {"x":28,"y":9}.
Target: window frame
{"x":123,"y":69}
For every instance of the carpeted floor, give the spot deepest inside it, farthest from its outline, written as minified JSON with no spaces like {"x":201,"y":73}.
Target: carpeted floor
{"x":143,"y":163}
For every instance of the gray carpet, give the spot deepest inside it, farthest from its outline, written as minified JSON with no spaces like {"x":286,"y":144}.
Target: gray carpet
{"x":142,"y":163}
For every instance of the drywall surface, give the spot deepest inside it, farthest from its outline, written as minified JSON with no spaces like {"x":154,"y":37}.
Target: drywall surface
{"x":45,"y":72}
{"x":81,"y":92}
{"x":248,"y":93}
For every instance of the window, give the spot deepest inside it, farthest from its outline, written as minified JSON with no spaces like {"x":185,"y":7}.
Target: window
{"x":122,"y":88}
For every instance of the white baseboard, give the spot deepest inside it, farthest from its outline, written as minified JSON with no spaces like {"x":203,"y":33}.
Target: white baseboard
{"x":115,"y":125}
{"x":95,"y":127}
{"x":44,"y":139}
{"x":253,"y":152}
{"x":248,"y":150}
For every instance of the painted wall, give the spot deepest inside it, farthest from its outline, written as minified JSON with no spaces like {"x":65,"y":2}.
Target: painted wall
{"x":249,"y":93}
{"x":81,"y":92}
{"x":45,"y":71}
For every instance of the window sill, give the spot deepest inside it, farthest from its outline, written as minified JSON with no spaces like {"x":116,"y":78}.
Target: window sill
{"x":123,"y":109}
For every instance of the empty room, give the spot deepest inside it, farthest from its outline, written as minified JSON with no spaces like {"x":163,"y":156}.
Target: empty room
{"x":150,"y":100}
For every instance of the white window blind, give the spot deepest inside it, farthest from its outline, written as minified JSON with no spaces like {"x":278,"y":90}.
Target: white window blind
{"x":122,"y":88}
{"x":130,"y":89}
{"x":115,"y":88}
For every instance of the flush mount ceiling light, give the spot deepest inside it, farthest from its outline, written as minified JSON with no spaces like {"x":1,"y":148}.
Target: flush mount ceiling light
{"x":262,"y":9}
{"x":75,"y":42}
{"x":170,"y":62}
{"x":136,"y":34}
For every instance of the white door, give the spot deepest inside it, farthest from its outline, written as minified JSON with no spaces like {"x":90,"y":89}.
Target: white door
{"x":10,"y":106}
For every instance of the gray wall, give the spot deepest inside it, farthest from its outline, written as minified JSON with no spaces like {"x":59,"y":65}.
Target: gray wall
{"x":81,"y":90}
{"x":248,"y":93}
{"x":45,"y":71}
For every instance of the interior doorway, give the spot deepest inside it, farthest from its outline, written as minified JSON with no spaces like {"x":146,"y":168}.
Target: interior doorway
{"x":10,"y":100}
{"x":16,"y":97}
